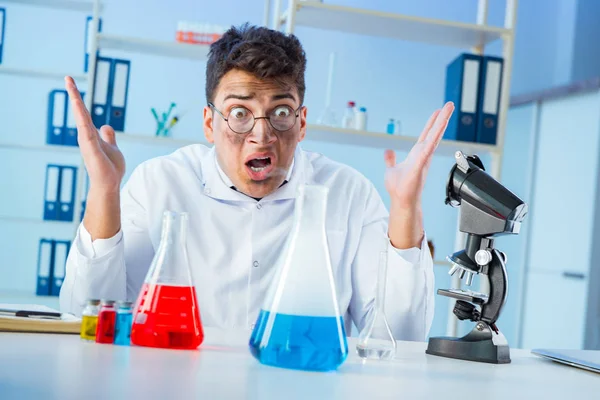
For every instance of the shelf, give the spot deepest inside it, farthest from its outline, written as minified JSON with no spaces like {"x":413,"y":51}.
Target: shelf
{"x":153,"y":47}
{"x":60,"y":4}
{"x":33,"y":221}
{"x":378,"y":140}
{"x":35,"y":73}
{"x":442,"y":263}
{"x":43,"y":147}
{"x":156,"y":140}
{"x":375,"y":23}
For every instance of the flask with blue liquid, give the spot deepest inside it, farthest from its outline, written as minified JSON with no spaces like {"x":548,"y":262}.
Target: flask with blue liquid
{"x":300,"y":325}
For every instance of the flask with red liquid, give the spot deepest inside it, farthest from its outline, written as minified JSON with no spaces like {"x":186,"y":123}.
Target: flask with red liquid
{"x":166,"y":313}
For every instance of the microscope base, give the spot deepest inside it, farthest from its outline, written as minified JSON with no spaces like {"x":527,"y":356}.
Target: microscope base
{"x":479,"y":345}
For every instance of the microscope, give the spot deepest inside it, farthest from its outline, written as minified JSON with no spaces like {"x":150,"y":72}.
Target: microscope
{"x":487,"y":209}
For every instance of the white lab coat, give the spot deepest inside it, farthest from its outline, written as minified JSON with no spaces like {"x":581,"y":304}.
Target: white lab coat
{"x":234,"y":240}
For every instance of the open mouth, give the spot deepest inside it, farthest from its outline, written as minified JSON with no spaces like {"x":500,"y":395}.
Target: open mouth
{"x":259,"y":164}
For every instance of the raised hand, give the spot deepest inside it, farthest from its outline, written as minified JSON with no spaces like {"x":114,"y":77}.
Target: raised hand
{"x":105,"y":165}
{"x":103,"y":159}
{"x":405,"y":181}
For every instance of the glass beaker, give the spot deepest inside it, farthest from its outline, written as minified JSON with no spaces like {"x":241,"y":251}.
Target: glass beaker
{"x":300,"y":326}
{"x":376,"y":340}
{"x":166,"y":313}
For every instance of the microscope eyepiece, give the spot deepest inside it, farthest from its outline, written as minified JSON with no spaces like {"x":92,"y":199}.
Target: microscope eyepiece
{"x":487,"y":207}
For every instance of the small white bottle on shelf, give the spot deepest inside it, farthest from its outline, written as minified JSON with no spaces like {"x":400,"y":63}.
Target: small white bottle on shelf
{"x":348,"y":118}
{"x":360,"y":122}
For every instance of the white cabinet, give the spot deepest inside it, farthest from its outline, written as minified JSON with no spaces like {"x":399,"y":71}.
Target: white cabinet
{"x":555,"y":308}
{"x":560,"y":308}
{"x":566,"y":172}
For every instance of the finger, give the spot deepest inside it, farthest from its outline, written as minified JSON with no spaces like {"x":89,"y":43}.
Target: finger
{"x":83,"y":120}
{"x":439,"y":127}
{"x":108,"y":135}
{"x":428,"y":125}
{"x":390,"y":158}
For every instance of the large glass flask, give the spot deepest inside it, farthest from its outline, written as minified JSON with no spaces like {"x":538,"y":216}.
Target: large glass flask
{"x":167,"y":313}
{"x":376,"y":340}
{"x":300,"y":326}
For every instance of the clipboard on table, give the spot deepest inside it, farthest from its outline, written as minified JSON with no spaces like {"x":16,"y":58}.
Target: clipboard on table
{"x":36,"y":318}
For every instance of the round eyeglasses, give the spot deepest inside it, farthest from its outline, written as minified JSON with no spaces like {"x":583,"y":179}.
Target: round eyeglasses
{"x":241,"y":120}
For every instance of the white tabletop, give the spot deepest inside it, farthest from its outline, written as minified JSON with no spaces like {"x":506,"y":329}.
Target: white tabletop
{"x":63,"y":367}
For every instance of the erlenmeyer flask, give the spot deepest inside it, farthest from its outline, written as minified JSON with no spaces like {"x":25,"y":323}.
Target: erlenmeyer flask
{"x":166,"y":313}
{"x":300,"y":326}
{"x":376,"y":340}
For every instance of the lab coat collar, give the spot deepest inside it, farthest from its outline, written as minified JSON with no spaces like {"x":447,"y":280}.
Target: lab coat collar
{"x":219,"y":187}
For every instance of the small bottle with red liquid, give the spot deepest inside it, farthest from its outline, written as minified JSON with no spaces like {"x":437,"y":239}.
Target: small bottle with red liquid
{"x":166,"y":313}
{"x":105,"y":330}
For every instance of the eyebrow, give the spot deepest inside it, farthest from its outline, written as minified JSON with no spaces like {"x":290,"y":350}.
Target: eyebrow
{"x":253,"y":95}
{"x":239,"y":96}
{"x":283,"y":96}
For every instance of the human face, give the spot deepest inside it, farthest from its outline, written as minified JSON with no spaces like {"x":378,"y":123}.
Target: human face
{"x":257,"y":162}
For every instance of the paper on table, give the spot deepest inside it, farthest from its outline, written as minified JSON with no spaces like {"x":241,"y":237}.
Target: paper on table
{"x":27,"y":307}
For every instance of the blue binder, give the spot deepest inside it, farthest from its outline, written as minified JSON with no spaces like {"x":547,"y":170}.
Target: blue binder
{"x":57,"y":117}
{"x":101,"y":100}
{"x":61,"y":252}
{"x":51,"y":192}
{"x":88,"y":41}
{"x":119,"y":83}
{"x":489,"y":99}
{"x":462,"y":88}
{"x":44,"y":267}
{"x":70,"y":136}
{"x":67,"y":185}
{"x":2,"y":23}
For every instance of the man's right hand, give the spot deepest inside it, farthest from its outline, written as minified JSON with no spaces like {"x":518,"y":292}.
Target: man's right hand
{"x":105,"y":165}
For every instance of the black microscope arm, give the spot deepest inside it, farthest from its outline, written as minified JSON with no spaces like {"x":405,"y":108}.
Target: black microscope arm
{"x":498,"y":279}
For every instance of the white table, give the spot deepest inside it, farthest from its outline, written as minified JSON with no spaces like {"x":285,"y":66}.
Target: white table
{"x":63,"y":367}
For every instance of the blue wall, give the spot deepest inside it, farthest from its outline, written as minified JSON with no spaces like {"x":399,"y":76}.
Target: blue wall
{"x":393,"y":79}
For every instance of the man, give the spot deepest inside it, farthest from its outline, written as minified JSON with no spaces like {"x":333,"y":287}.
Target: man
{"x":240,"y":194}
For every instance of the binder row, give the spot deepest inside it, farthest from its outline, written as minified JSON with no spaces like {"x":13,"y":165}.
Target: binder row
{"x":2,"y":23}
{"x":108,"y":106}
{"x":473,"y":83}
{"x":111,"y":83}
{"x":60,"y":189}
{"x":52,"y":259}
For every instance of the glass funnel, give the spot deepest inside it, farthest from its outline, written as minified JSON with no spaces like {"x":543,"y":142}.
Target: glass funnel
{"x":300,"y":326}
{"x":376,"y":340}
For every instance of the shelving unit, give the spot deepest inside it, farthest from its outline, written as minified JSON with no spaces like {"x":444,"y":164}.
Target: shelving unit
{"x":50,"y":148}
{"x":70,"y":5}
{"x":314,"y":14}
{"x":311,"y":14}
{"x":73,"y":5}
{"x":38,"y":73}
{"x":153,"y":47}
{"x":32,"y":221}
{"x":396,"y":26}
{"x":332,"y":134}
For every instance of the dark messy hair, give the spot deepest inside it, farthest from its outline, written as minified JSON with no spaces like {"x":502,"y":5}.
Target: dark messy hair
{"x":265,"y":53}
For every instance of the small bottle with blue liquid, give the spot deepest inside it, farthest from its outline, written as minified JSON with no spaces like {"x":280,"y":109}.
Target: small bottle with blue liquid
{"x":390,"y":126}
{"x":123,"y":324}
{"x":300,"y":325}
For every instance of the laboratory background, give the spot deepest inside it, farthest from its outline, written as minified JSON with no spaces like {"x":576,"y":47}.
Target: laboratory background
{"x":369,"y":87}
